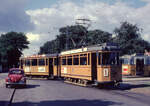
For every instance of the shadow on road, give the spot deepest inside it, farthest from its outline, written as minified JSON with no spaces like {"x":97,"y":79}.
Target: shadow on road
{"x":81,"y":102}
{"x":4,"y":103}
{"x":132,"y":86}
{"x":28,"y":86}
{"x":124,"y":86}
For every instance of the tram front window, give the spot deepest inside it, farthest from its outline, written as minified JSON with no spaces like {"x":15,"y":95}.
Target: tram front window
{"x":110,"y":58}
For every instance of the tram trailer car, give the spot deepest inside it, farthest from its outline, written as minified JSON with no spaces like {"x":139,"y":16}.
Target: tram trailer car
{"x":136,"y":65}
{"x":97,"y":64}
{"x":40,"y":65}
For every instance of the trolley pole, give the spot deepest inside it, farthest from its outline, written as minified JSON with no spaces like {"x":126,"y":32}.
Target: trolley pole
{"x":67,"y":35}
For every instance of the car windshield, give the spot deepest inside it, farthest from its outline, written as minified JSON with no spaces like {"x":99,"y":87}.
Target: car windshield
{"x":16,"y":72}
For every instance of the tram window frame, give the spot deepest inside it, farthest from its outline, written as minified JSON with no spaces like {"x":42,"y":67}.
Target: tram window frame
{"x":76,"y":60}
{"x":83,"y":59}
{"x":69,"y":60}
{"x":41,"y":62}
{"x":63,"y":61}
{"x":34,"y":62}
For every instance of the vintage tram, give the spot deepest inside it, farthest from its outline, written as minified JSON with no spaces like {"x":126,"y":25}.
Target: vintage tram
{"x":136,"y":65}
{"x":97,"y":64}
{"x":40,"y":65}
{"x":93,"y":64}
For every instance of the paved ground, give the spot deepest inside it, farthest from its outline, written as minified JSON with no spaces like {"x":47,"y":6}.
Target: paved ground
{"x":137,"y":85}
{"x":58,"y":93}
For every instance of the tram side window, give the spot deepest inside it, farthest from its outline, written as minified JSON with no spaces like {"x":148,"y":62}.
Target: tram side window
{"x":55,"y":61}
{"x":147,"y":61}
{"x":99,"y":59}
{"x":51,"y":61}
{"x":27,"y":62}
{"x":21,"y":62}
{"x":41,"y":62}
{"x":34,"y":62}
{"x":76,"y":60}
{"x":46,"y":61}
{"x":63,"y":61}
{"x":105,"y":58}
{"x":69,"y":60}
{"x":83,"y":61}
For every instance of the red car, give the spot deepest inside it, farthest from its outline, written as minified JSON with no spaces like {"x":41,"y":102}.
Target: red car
{"x":15,"y":77}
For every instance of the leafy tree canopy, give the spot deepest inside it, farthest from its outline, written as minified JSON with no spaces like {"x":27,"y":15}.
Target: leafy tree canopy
{"x":128,"y":37}
{"x":71,"y":37}
{"x":11,"y":46}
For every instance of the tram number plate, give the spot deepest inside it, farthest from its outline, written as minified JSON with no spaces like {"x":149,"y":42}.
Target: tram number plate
{"x":106,"y":73}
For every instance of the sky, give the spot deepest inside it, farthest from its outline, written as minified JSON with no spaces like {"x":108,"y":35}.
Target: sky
{"x":41,"y":19}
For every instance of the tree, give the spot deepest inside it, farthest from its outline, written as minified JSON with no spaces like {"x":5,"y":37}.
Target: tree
{"x":71,"y":37}
{"x":128,"y":37}
{"x":11,"y":46}
{"x":74,"y":36}
{"x":49,"y":47}
{"x":98,"y":37}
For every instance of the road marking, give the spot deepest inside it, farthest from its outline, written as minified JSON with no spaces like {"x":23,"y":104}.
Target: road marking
{"x":12,"y":96}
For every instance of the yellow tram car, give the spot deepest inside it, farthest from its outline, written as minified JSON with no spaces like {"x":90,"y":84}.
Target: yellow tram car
{"x":136,"y":65}
{"x":94,"y":64}
{"x":97,"y":64}
{"x":40,"y":65}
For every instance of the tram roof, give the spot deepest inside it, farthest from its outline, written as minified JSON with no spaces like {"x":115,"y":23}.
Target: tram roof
{"x":99,"y":47}
{"x":40,"y":56}
{"x":134,"y":56}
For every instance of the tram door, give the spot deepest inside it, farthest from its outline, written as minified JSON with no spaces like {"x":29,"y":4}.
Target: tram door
{"x":139,"y":66}
{"x":94,"y":66}
{"x":50,"y":66}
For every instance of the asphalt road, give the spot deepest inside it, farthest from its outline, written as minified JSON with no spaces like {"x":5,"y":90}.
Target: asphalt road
{"x":57,"y":93}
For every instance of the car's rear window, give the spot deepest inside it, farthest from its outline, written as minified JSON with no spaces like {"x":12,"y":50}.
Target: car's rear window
{"x":16,"y":72}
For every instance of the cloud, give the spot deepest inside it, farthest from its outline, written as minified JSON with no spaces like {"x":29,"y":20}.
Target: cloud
{"x":145,"y":0}
{"x":103,"y":16}
{"x":33,"y":37}
{"x":13,"y":16}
